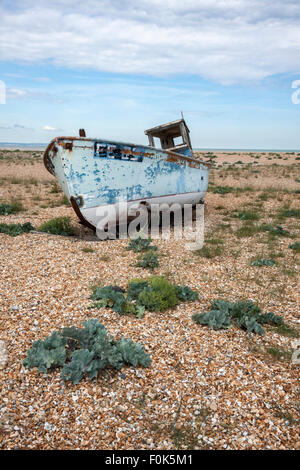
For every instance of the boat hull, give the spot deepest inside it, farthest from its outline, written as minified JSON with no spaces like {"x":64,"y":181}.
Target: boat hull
{"x":96,"y":174}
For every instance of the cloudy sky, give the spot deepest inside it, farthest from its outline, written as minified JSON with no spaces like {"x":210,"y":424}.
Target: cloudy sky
{"x":117,"y":67}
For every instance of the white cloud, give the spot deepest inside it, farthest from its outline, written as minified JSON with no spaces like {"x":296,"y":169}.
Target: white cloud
{"x":49,"y":128}
{"x":15,"y":93}
{"x":32,"y":93}
{"x":227,"y":41}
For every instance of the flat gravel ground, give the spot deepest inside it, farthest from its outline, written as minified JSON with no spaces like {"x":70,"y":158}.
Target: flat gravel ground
{"x":204,"y":389}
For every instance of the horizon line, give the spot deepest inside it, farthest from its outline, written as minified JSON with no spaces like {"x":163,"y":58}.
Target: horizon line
{"x":218,"y":149}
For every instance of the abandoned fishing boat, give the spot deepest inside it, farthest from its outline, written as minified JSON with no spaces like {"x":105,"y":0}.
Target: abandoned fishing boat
{"x":97,"y":173}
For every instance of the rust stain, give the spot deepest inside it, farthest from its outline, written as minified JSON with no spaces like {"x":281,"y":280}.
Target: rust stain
{"x":79,"y":214}
{"x":66,"y":145}
{"x":181,"y":159}
{"x":148,"y":154}
{"x":172,"y":156}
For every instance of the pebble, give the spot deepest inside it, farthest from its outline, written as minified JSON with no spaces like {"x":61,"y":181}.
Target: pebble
{"x":3,"y":354}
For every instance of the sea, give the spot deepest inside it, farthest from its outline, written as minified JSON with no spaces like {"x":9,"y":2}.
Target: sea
{"x":22,"y":146}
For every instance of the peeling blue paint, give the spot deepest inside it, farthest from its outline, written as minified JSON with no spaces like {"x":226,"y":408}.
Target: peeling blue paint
{"x":103,"y":180}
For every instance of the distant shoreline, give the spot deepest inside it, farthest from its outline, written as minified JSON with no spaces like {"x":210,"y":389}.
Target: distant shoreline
{"x":21,"y":146}
{"x":42,"y":146}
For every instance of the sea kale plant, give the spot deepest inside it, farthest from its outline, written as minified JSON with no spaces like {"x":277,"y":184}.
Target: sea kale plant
{"x":147,"y":259}
{"x":263,"y":262}
{"x":84,"y":351}
{"x":155,"y":294}
{"x":140,"y":244}
{"x":244,"y":314}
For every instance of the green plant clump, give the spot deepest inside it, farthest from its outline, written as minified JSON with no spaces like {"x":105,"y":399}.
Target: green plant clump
{"x":159,"y":295}
{"x":141,"y":244}
{"x":84,"y":351}
{"x":186,"y":294}
{"x":263,"y":262}
{"x":47,"y":354}
{"x":295,"y":247}
{"x":290,"y":213}
{"x":58,"y":226}
{"x":14,"y":230}
{"x":244,"y":314}
{"x":113,"y":297}
{"x":249,"y":229}
{"x":6,"y":209}
{"x":278,"y":230}
{"x":12,"y":208}
{"x":148,"y":260}
{"x":155,"y":294}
